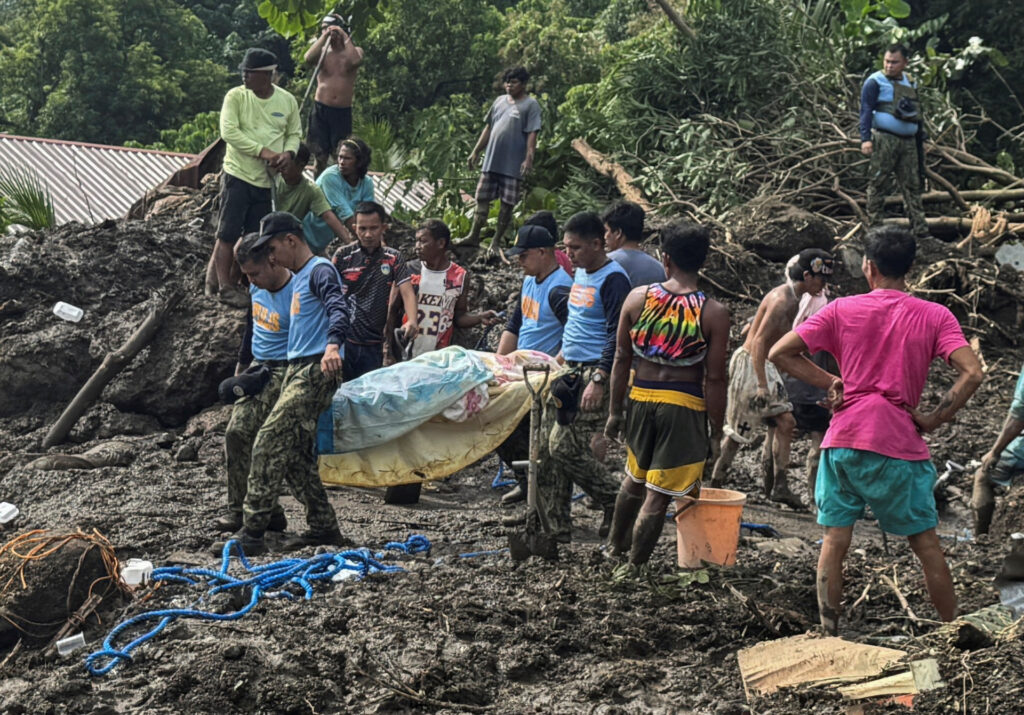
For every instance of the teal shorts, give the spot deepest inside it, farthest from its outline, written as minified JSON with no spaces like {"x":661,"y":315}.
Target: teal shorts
{"x":898,"y":491}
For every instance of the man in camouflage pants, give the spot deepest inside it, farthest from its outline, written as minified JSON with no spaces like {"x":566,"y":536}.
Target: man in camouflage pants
{"x":576,"y":408}
{"x":265,"y":347}
{"x":283,"y":447}
{"x":890,"y":132}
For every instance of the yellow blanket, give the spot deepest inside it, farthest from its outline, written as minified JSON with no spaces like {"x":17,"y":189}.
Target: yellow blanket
{"x":440,"y":447}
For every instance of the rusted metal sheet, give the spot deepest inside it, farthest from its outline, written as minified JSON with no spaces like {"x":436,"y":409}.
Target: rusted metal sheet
{"x":90,"y":182}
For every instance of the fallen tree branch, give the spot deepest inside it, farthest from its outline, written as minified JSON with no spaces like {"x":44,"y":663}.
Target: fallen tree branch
{"x":112,"y":364}
{"x":902,"y":599}
{"x":605,"y":166}
{"x":677,"y":19}
{"x":993,"y":195}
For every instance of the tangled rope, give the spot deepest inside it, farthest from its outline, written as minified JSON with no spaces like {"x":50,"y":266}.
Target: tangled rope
{"x":266,"y":581}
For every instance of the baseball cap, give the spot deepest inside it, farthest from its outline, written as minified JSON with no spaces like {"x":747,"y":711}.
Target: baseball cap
{"x":276,"y":223}
{"x":531,"y":236}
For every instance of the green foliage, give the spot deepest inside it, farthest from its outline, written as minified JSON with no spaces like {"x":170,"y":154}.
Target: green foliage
{"x":191,"y":138}
{"x":559,"y":50}
{"x":422,"y":52}
{"x":105,"y":70}
{"x":25,"y":200}
{"x":296,"y":17}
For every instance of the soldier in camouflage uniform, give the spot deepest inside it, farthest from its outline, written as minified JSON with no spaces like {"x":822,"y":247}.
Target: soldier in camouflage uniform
{"x":264,"y":345}
{"x":318,"y":322}
{"x":575,"y":411}
{"x":890,"y":132}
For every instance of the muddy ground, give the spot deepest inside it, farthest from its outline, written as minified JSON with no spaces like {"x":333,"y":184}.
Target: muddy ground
{"x":449,"y":634}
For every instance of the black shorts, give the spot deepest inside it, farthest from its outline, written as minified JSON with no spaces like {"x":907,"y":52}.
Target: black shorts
{"x":327,"y":127}
{"x":242,"y":207}
{"x":811,"y":418}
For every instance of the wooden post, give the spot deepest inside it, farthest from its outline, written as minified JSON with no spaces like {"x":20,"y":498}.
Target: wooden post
{"x":112,"y":364}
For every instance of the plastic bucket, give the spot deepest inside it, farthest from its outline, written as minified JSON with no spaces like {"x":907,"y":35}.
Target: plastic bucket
{"x":710,"y":530}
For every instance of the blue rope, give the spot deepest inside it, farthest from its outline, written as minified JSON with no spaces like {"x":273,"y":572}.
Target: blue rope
{"x":266,"y":581}
{"x":474,"y":554}
{"x":499,"y":480}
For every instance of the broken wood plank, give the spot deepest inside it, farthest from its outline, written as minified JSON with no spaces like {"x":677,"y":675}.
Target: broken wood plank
{"x":809,"y":660}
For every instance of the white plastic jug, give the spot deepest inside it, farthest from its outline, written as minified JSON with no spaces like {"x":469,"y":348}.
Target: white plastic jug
{"x":136,"y":571}
{"x":68,"y":312}
{"x":8,"y":512}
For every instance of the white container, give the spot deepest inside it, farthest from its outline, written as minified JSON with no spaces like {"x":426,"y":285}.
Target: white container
{"x":136,"y":572}
{"x":8,"y":512}
{"x":68,"y":645}
{"x":67,"y":311}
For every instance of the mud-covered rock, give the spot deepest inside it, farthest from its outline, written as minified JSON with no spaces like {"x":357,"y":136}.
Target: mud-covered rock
{"x":776,"y":231}
{"x":115,"y":272}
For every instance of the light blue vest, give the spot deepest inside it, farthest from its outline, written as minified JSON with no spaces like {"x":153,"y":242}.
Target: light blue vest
{"x":307,"y":334}
{"x":540,"y":329}
{"x":585,"y":334}
{"x":270,"y":318}
{"x":885,"y":120}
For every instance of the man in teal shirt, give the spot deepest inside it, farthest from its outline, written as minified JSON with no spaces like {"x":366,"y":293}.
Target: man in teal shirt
{"x":259,"y":122}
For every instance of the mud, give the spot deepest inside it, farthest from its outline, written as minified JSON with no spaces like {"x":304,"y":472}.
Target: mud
{"x":450,"y":634}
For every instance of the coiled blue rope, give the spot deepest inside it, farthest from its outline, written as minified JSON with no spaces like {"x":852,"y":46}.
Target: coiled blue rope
{"x":266,"y":581}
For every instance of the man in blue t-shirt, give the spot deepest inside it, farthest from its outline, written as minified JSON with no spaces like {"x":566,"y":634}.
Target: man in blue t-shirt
{"x":511,"y":139}
{"x":574,"y":413}
{"x":318,"y":323}
{"x":536,"y":324}
{"x":890,"y":133}
{"x":1002,"y":464}
{"x":623,"y":232}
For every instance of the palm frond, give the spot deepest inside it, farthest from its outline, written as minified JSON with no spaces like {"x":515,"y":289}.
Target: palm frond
{"x":26,"y":200}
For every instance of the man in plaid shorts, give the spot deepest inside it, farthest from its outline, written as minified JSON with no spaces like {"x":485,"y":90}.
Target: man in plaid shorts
{"x":511,"y":139}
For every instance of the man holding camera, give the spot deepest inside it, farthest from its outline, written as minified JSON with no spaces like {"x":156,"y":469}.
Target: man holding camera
{"x":892,"y":135}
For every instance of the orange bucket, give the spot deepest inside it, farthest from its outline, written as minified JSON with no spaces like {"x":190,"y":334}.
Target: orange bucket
{"x":710,"y":530}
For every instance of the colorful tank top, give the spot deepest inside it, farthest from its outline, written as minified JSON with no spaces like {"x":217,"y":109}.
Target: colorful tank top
{"x":668,"y":329}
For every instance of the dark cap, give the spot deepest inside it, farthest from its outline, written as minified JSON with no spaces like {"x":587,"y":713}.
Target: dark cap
{"x":276,"y":223}
{"x":258,"y":59}
{"x":531,"y":236}
{"x":815,"y":260}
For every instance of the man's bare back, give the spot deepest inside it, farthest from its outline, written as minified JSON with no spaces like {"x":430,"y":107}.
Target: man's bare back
{"x":774,"y":319}
{"x":336,"y":81}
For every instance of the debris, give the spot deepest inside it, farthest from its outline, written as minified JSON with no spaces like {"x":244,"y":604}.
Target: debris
{"x":922,"y":676}
{"x":67,"y":646}
{"x":67,"y":312}
{"x":113,"y":363}
{"x":809,"y":660}
{"x":790,"y":547}
{"x":8,"y":512}
{"x":1011,"y":254}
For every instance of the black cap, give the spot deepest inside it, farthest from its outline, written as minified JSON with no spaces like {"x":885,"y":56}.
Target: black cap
{"x":276,"y":223}
{"x":257,"y":58}
{"x":249,"y":383}
{"x":816,"y":261}
{"x":531,"y":236}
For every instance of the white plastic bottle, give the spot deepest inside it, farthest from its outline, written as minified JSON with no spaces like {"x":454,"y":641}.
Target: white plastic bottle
{"x":67,"y":311}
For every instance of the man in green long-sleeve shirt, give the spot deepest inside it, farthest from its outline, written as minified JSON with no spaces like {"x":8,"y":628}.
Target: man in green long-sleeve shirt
{"x":260,"y":124}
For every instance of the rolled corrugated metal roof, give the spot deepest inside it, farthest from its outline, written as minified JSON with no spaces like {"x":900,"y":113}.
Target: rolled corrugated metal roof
{"x":90,"y":182}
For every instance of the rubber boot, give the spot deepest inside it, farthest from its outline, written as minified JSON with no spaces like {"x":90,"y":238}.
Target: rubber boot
{"x":627,"y":506}
{"x":645,"y":537}
{"x":315,"y":538}
{"x":518,"y":494}
{"x":781,"y":492}
{"x":983,"y":502}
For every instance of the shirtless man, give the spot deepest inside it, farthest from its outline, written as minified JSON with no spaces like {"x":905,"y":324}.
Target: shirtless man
{"x":757,"y":394}
{"x":331,"y":119}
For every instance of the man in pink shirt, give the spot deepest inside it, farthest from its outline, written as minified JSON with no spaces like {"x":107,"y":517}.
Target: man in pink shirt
{"x":873,"y":453}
